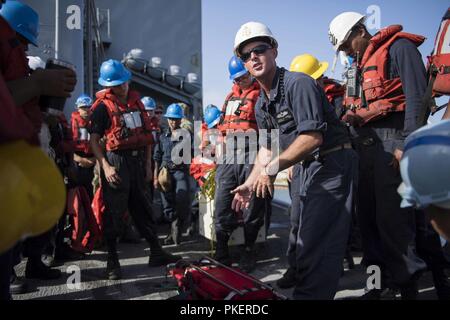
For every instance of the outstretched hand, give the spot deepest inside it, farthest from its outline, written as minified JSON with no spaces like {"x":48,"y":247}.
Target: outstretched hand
{"x":242,"y":196}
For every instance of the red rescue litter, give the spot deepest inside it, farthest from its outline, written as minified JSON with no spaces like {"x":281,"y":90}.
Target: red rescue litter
{"x":208,"y":279}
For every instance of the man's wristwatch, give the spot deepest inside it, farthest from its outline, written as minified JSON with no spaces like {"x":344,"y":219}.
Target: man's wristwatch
{"x":270,"y":171}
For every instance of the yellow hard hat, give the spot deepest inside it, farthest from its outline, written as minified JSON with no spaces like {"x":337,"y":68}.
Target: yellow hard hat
{"x":32,"y":193}
{"x":308,"y":64}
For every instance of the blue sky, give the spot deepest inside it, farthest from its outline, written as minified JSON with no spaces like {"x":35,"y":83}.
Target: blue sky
{"x":300,"y":27}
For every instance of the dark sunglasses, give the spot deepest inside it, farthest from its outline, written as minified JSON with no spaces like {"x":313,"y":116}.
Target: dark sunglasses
{"x":158,"y":112}
{"x":241,"y":78}
{"x":261,"y":49}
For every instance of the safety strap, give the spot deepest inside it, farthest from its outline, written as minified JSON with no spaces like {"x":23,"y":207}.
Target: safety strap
{"x":243,"y":102}
{"x":370,"y":68}
{"x":429,"y":105}
{"x":238,"y":121}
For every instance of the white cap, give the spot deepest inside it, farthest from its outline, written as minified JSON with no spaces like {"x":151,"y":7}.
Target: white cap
{"x":251,"y":30}
{"x":341,"y":26}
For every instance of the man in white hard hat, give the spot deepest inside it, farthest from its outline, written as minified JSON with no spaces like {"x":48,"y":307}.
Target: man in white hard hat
{"x":314,"y":140}
{"x":383,"y":102}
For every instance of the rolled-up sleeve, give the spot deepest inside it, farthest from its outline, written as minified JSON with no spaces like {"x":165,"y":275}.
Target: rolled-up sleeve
{"x":100,"y":120}
{"x":307,"y":99}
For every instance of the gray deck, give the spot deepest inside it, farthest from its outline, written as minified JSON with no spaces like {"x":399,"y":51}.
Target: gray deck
{"x":143,"y":283}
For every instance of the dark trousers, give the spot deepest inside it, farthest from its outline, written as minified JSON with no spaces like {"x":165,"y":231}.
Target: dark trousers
{"x":131,"y":193}
{"x":387,"y":231}
{"x":177,"y":202}
{"x":229,"y":177}
{"x":322,"y":196}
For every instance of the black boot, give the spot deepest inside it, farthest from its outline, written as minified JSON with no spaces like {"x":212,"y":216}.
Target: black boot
{"x":18,"y":285}
{"x":441,"y":283}
{"x":379,"y":294}
{"x":410,"y":292}
{"x":222,"y":254}
{"x":113,"y":270}
{"x":288,"y":279}
{"x":248,"y":259}
{"x":36,"y":269}
{"x":159,"y":257}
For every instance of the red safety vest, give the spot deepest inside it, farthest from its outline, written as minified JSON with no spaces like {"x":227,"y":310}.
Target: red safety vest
{"x":80,"y":135}
{"x":333,"y":89}
{"x":382,"y":95}
{"x":14,"y":123}
{"x":130,"y":124}
{"x":439,"y":61}
{"x":239,"y":109}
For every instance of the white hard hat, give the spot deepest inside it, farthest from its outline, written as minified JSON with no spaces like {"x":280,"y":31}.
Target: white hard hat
{"x":251,"y":30}
{"x":425,"y":167}
{"x":35,"y":62}
{"x":341,"y":27}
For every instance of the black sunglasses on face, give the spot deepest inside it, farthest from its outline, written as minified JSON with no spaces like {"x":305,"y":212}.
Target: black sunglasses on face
{"x":257,"y":50}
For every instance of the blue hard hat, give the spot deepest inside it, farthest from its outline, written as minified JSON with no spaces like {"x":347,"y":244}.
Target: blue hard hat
{"x":149,"y":103}
{"x":83,"y":101}
{"x":113,"y":73}
{"x":236,"y":68}
{"x":212,"y":116}
{"x":22,"y":18}
{"x":174,"y":111}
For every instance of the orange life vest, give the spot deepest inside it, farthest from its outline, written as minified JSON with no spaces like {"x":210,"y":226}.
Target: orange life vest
{"x":13,"y":66}
{"x":382,"y":95}
{"x":333,"y":89}
{"x":239,"y":109}
{"x":80,"y":134}
{"x":130,"y":124}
